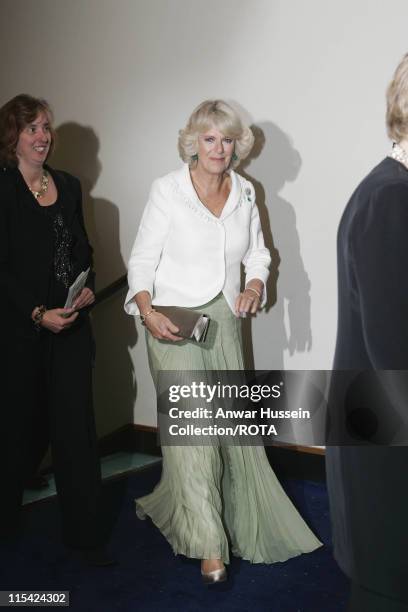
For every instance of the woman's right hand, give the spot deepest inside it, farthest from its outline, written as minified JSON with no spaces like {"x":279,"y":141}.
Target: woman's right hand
{"x":161,"y":327}
{"x":58,"y":319}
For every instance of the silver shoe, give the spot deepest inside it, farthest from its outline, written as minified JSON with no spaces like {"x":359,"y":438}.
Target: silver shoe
{"x":218,"y":575}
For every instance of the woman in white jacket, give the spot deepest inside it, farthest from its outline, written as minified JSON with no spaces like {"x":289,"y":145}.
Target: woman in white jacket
{"x":200,"y":224}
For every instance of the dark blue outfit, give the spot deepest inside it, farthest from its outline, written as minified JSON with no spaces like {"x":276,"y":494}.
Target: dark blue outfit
{"x":368,"y":485}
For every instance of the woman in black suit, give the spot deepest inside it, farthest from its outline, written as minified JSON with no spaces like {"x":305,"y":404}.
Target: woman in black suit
{"x":43,"y":247}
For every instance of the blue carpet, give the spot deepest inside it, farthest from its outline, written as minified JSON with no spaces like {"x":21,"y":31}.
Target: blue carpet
{"x":150,"y":578}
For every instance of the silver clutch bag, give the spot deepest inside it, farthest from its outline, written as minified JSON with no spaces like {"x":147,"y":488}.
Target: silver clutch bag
{"x":192,"y":324}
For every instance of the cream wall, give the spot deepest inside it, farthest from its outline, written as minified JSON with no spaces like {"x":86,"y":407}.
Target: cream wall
{"x":123,"y":77}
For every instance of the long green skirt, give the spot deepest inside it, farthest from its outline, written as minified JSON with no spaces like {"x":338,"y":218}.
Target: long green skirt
{"x":211,"y":498}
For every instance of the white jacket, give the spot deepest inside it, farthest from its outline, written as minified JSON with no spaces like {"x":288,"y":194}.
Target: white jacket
{"x":184,"y":255}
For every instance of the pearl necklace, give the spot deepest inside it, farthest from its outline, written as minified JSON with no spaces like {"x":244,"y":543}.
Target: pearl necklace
{"x":44,"y":186}
{"x":399,"y":154}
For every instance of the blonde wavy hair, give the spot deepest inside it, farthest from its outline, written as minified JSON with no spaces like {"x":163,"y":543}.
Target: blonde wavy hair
{"x":218,"y":114}
{"x":397,"y":103}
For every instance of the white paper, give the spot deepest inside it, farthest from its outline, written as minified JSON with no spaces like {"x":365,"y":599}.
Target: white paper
{"x":76,"y":288}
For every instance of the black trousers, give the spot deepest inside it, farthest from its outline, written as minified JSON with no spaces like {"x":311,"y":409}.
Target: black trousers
{"x":49,"y":397}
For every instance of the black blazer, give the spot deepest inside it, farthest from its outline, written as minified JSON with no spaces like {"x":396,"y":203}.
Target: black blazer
{"x":27,"y":243}
{"x":368,"y":485}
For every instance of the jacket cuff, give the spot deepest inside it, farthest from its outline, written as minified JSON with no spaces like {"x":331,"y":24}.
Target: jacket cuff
{"x":131,"y":306}
{"x":260,"y":274}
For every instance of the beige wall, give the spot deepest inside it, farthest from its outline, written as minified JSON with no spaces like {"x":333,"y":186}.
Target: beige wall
{"x":123,"y":77}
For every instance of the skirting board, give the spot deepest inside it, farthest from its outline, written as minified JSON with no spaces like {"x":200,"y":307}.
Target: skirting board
{"x":288,"y":461}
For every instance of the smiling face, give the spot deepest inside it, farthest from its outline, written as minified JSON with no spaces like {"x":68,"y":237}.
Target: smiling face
{"x":34,"y":141}
{"x":214,"y":151}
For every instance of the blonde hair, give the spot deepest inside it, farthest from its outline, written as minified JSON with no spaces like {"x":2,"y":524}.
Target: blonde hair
{"x":397,"y":102}
{"x":218,"y":114}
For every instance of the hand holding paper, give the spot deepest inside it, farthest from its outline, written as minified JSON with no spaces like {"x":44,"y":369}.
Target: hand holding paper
{"x":85,"y":298}
{"x":75,"y":291}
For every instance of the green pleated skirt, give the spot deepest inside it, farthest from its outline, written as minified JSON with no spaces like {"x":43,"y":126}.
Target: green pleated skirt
{"x":211,"y":499}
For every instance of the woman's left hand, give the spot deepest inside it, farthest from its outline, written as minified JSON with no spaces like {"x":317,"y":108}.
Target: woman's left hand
{"x":85,"y":298}
{"x":247,"y":302}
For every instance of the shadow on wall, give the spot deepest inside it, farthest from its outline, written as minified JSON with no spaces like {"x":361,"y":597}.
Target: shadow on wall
{"x":272,"y":163}
{"x":76,"y":152}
